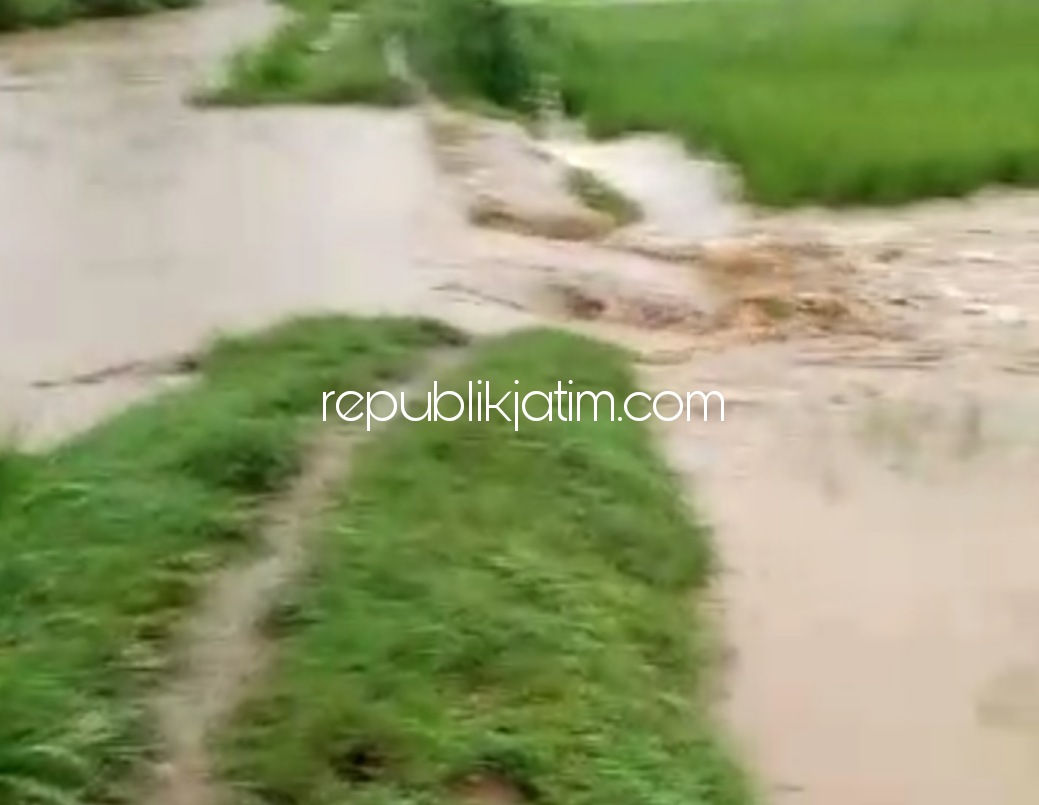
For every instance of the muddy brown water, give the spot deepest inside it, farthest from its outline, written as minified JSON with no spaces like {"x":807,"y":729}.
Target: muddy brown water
{"x":876,"y":513}
{"x":132,"y":225}
{"x":880,"y":579}
{"x":872,"y":498}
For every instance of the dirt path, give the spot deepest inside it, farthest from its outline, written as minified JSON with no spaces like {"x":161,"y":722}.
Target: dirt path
{"x":222,"y":646}
{"x":222,"y":643}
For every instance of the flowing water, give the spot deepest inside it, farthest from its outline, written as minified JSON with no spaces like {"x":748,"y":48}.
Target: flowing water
{"x":872,"y":496}
{"x":133,"y":225}
{"x":876,"y":513}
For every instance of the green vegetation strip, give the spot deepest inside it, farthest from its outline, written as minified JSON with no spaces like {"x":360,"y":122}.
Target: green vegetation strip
{"x":103,"y":542}
{"x":871,"y":101}
{"x":15,"y":14}
{"x":496,"y":616}
{"x":319,"y":55}
{"x":481,"y":52}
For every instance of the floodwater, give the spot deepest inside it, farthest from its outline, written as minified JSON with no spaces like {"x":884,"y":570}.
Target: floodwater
{"x":875,"y":509}
{"x":681,"y":198}
{"x":872,"y":494}
{"x":134,"y":225}
{"x":880,"y":581}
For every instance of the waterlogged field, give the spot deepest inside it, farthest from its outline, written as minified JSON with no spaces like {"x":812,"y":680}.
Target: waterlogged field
{"x":877,"y":102}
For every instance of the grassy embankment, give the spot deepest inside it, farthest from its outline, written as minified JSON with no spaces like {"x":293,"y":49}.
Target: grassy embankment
{"x":15,"y":14}
{"x":104,"y":541}
{"x":496,"y":617}
{"x":872,"y":101}
{"x":333,"y":51}
{"x":490,"y":612}
{"x":323,"y":53}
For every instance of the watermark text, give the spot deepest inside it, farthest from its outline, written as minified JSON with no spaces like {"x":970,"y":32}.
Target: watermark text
{"x":480,"y":403}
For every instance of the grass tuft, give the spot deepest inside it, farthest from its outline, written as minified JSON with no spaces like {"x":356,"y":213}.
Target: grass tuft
{"x":248,"y":457}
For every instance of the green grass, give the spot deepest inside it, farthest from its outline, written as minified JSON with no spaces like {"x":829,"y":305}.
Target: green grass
{"x":469,"y":51}
{"x":491,"y":608}
{"x":15,"y":14}
{"x":837,"y":102}
{"x":312,"y":58}
{"x":103,"y":541}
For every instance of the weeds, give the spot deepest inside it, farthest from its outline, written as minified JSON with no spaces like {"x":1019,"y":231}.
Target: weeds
{"x":249,"y":457}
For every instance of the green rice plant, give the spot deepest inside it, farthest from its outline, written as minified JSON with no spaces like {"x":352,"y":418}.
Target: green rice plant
{"x":877,"y":102}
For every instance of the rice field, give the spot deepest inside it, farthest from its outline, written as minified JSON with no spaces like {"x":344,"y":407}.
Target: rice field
{"x":820,"y":101}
